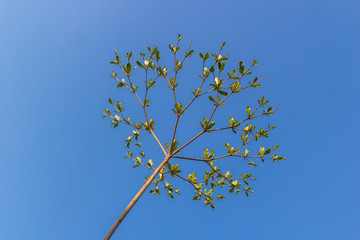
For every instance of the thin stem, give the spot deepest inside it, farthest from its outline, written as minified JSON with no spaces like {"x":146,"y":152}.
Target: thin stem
{"x":146,"y":117}
{"x":174,"y":132}
{"x":216,"y":158}
{"x":190,"y":141}
{"x":146,"y":82}
{"x":192,"y":159}
{"x":159,"y":143}
{"x":173,"y":88}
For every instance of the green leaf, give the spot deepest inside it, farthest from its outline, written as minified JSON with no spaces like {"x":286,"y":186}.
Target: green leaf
{"x":210,"y":125}
{"x":133,"y":88}
{"x":129,"y":55}
{"x":223,"y":92}
{"x":261,"y":151}
{"x":247,"y":175}
{"x":136,"y":165}
{"x":174,"y":145}
{"x":212,"y":99}
{"x":235,"y":87}
{"x":146,"y":102}
{"x":192,"y":178}
{"x":206,"y":153}
{"x":178,"y":107}
{"x":128,"y":68}
{"x":140,"y":64}
{"x":119,"y":106}
{"x":172,"y":82}
{"x":248,"y":111}
{"x":267,"y":151}
{"x":206,"y":57}
{"x":107,"y":111}
{"x":227,"y":146}
{"x":201,"y":55}
{"x":152,"y":123}
{"x":150,"y":163}
{"x":151,"y":83}
{"x":178,"y":65}
{"x":241,"y":67}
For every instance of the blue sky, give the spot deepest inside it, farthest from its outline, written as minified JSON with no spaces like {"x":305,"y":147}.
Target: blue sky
{"x":62,"y":169}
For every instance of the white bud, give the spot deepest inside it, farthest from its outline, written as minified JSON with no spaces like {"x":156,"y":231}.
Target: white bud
{"x":135,"y":132}
{"x":146,"y":62}
{"x":206,"y":70}
{"x":117,"y":118}
{"x":217,"y":81}
{"x":219,"y":57}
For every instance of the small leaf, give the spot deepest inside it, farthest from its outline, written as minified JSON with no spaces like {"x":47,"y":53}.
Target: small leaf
{"x":140,"y":64}
{"x":227,"y":146}
{"x":146,"y":102}
{"x":210,"y":125}
{"x":223,"y":92}
{"x":212,"y":99}
{"x":261,"y":151}
{"x":248,"y":110}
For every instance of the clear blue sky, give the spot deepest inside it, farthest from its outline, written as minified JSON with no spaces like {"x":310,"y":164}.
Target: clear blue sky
{"x":62,"y":169}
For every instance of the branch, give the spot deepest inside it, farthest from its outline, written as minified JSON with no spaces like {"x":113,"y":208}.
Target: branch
{"x":144,"y":109}
{"x":135,"y":199}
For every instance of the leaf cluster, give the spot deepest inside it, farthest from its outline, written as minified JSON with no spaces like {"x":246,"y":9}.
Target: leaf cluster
{"x":219,"y":84}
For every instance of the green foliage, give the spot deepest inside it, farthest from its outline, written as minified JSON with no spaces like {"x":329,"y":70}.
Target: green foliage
{"x":213,"y":183}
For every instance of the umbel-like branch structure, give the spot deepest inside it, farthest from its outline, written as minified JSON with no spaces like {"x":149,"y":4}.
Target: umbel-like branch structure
{"x":219,"y":90}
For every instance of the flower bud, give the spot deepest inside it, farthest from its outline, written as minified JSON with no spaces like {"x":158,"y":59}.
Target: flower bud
{"x":217,"y":81}
{"x":117,"y":118}
{"x":146,"y":62}
{"x":219,"y":57}
{"x":206,"y":71}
